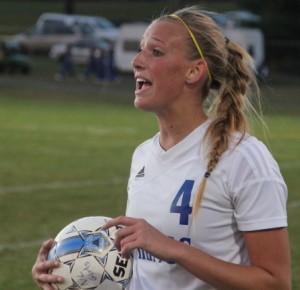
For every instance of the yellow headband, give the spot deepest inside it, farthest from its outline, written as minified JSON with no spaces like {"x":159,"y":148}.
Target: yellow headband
{"x":195,"y":42}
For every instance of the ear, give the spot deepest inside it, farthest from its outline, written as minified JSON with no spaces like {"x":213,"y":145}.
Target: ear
{"x":197,"y":72}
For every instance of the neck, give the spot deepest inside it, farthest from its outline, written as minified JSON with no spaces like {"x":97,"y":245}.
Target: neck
{"x":172,"y":131}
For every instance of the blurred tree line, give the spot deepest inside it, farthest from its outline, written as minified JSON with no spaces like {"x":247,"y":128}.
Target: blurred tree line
{"x":281,"y":26}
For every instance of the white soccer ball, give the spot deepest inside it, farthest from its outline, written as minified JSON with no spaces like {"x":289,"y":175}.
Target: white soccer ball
{"x":89,"y":259}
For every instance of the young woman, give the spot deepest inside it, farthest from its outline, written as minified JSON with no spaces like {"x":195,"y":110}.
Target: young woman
{"x":206,"y":200}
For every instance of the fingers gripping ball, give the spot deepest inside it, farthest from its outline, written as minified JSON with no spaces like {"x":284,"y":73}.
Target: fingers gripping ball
{"x":89,"y":259}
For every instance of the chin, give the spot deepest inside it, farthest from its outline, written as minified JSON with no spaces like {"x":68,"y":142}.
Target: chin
{"x":141,"y":105}
{"x":139,"y":102}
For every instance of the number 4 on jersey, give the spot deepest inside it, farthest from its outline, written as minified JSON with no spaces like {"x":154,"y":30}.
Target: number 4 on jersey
{"x":181,"y":202}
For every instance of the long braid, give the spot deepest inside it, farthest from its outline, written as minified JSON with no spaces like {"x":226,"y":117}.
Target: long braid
{"x":228,"y":113}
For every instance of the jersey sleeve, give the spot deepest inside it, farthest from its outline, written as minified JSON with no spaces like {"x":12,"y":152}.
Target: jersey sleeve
{"x":259,"y":193}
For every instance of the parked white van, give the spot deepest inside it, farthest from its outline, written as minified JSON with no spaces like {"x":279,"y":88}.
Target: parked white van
{"x":251,"y":39}
{"x":128,"y":44}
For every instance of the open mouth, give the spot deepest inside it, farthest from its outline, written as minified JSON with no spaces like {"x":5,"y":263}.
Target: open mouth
{"x":142,"y":83}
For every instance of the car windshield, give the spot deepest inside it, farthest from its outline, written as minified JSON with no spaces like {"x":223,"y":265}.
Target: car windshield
{"x":103,"y":23}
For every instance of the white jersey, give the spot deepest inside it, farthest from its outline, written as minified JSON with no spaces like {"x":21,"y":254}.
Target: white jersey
{"x":245,"y":192}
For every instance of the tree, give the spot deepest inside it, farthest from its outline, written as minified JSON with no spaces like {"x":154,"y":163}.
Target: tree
{"x":69,"y":6}
{"x":280,"y":19}
{"x":281,"y":26}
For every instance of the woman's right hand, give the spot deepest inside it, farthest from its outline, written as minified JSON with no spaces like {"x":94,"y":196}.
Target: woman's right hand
{"x":41,"y":268}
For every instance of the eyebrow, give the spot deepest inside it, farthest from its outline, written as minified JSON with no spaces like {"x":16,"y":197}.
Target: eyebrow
{"x":155,"y":39}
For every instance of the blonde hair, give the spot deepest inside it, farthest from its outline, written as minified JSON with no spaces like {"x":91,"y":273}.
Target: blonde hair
{"x":227,"y":92}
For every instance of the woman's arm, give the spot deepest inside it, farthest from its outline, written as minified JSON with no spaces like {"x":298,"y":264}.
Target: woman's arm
{"x":269,"y":264}
{"x":268,"y":251}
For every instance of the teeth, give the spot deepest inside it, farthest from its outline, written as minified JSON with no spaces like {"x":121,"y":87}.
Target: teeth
{"x":140,"y":80}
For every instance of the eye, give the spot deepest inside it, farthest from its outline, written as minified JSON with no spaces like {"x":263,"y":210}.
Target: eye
{"x":157,"y":52}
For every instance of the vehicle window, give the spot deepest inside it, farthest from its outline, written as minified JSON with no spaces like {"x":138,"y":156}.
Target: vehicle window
{"x":56,"y":27}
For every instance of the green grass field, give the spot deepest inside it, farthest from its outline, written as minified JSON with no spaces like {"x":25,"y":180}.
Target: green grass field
{"x":65,"y":151}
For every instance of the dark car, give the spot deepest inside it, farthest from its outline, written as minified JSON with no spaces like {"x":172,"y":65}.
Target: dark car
{"x":12,"y":60}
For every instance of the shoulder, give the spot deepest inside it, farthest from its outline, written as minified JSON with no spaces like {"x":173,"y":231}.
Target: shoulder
{"x":253,"y":153}
{"x":249,"y":163}
{"x":254,"y":181}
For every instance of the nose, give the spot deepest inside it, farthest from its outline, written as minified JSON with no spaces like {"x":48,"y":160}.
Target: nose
{"x":137,"y":62}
